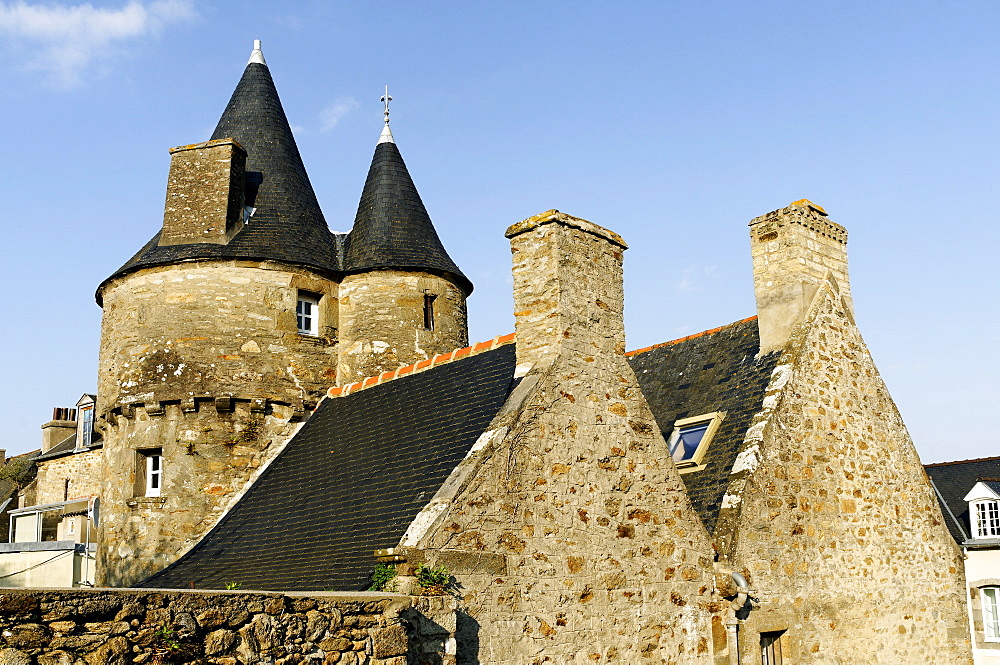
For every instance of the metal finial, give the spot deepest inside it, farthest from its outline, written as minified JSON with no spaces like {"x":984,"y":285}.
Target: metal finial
{"x":385,"y":100}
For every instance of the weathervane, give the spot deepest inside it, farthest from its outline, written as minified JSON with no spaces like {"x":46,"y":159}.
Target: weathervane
{"x":385,"y":100}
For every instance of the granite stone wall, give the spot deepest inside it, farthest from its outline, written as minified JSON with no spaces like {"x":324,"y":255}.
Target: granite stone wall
{"x":568,"y":529}
{"x":122,"y":627}
{"x":83,"y":470}
{"x":831,"y":515}
{"x":794,"y":251}
{"x":204,"y":193}
{"x":382,"y":325}
{"x":203,"y":364}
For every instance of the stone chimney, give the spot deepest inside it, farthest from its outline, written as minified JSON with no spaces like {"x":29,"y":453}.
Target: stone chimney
{"x":204,"y":193}
{"x":794,"y":250}
{"x":61,"y":427}
{"x":568,"y":291}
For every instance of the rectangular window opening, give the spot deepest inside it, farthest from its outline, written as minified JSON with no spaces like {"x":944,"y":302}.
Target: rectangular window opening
{"x":429,"y":311}
{"x":770,"y":647}
{"x":307,"y":313}
{"x":149,"y":472}
{"x":991,"y":613}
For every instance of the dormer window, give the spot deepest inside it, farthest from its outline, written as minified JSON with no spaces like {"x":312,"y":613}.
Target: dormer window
{"x":307,"y":313}
{"x":690,"y":439}
{"x":984,"y":508}
{"x":85,"y":423}
{"x":986,"y":516}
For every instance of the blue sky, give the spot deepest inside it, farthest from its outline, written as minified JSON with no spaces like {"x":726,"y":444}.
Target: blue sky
{"x":671,"y":123}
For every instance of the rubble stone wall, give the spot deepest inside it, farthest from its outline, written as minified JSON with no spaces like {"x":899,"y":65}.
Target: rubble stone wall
{"x":208,"y":458}
{"x":571,"y":536}
{"x":382,"y":321}
{"x":202,"y":363}
{"x":793,"y":250}
{"x":837,"y":525}
{"x":83,"y":470}
{"x":119,"y":627}
{"x":204,"y":193}
{"x":198,"y":331}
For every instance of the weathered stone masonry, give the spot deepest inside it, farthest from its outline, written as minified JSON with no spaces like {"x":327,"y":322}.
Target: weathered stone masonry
{"x":569,"y":530}
{"x":105,"y":627}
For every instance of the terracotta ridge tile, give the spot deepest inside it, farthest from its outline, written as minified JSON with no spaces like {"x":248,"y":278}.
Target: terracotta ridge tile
{"x":687,"y":337}
{"x":427,"y":363}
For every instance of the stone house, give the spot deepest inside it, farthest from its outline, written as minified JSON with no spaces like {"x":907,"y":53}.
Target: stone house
{"x":969,"y":493}
{"x":50,"y":528}
{"x":282,"y":407}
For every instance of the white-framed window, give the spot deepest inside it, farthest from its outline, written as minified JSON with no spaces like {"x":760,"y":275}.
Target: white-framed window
{"x":990,"y":596}
{"x":154,"y":474}
{"x":690,"y":438}
{"x":307,"y":313}
{"x":86,"y":425}
{"x":986,"y":518}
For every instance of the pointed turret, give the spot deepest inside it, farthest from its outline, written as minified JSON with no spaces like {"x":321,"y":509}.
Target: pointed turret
{"x":282,"y":218}
{"x":392,"y":230}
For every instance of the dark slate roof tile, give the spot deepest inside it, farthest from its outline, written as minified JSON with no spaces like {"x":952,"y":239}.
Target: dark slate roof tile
{"x":288,"y":225}
{"x":713,"y":371}
{"x":953,"y":480}
{"x":349,"y":482}
{"x":392,"y":229}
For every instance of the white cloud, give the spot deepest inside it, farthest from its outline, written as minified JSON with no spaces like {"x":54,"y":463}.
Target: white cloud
{"x":335,"y":112}
{"x":65,"y":40}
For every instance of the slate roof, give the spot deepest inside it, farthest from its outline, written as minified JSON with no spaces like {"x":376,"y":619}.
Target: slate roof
{"x":349,"y":482}
{"x":67,"y":447}
{"x":392,"y":229}
{"x":712,"y":371}
{"x":953,"y":480}
{"x":288,"y":224}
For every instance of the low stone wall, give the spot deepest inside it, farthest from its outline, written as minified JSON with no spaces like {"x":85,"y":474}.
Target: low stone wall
{"x":121,"y":627}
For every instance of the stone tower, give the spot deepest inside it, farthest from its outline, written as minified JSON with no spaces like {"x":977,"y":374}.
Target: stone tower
{"x":203,"y":368}
{"x":403,"y":298}
{"x":225,"y":329}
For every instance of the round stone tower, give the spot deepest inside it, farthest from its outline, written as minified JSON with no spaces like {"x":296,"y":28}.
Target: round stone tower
{"x":402,"y":299}
{"x":217,"y":337}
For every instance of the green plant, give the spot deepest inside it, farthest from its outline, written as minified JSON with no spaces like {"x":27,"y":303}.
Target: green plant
{"x":232,"y":586}
{"x":383,"y":577}
{"x":433,"y":581}
{"x":165,"y":646}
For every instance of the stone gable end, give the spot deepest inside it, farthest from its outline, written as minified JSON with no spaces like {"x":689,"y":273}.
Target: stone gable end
{"x":601,"y":545}
{"x":836,"y":522}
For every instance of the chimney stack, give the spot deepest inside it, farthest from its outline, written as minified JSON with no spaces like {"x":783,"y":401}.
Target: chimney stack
{"x":794,"y":251}
{"x":568,"y":291}
{"x":204,"y":193}
{"x":61,"y":427}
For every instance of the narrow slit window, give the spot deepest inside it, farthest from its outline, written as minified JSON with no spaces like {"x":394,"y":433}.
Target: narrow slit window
{"x":429,"y":311}
{"x":307,"y":313}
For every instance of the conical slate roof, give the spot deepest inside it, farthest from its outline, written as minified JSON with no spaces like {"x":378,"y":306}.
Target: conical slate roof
{"x":287,"y":224}
{"x":392,"y":229}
